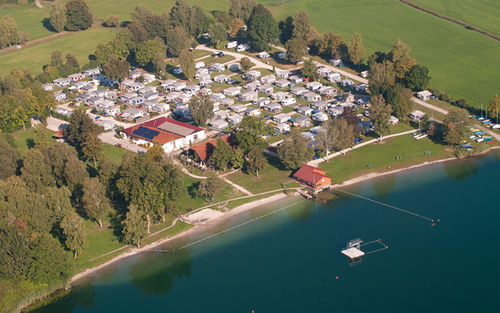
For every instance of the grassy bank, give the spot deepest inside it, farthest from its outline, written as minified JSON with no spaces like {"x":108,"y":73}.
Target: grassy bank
{"x":382,"y":157}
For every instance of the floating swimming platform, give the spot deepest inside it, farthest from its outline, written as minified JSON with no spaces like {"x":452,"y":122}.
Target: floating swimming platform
{"x":354,"y":252}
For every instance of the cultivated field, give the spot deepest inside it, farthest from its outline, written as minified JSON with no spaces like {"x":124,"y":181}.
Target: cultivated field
{"x":484,"y":14}
{"x":464,"y":63}
{"x":32,"y":58}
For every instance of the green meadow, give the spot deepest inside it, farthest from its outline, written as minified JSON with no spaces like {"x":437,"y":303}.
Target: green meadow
{"x":32,"y":58}
{"x":480,"y":13}
{"x":29,"y":19}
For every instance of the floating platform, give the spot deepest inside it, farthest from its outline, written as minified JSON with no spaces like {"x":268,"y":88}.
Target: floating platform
{"x":353,"y":253}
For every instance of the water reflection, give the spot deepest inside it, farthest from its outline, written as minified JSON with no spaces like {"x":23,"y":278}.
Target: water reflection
{"x":157,"y":273}
{"x":463,"y":170}
{"x":79,"y":296}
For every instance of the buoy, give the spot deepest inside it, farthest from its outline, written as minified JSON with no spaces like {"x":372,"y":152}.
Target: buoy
{"x":336,"y":277}
{"x":439,"y":220}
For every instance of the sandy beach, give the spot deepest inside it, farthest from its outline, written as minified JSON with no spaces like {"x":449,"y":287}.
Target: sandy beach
{"x":212,"y":219}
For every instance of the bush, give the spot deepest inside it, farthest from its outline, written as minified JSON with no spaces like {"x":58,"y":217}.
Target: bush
{"x":112,"y":21}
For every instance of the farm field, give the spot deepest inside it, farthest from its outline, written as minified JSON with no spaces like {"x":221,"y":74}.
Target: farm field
{"x":32,"y":58}
{"x":463,"y":63}
{"x":480,"y":13}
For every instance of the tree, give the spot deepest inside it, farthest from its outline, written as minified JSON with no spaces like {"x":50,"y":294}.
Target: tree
{"x":56,"y":59}
{"x":74,"y":233}
{"x":8,"y":160}
{"x":417,"y":78}
{"x":404,"y":106}
{"x":296,"y":49}
{"x":8,"y":32}
{"x":94,"y":199}
{"x":134,"y":226}
{"x":186,"y":61}
{"x":147,"y":50}
{"x":112,"y":21}
{"x":262,"y":28}
{"x":49,"y":262}
{"x":308,"y":70}
{"x":177,"y":40}
{"x":301,"y":25}
{"x":35,"y":171}
{"x":242,"y":9}
{"x":221,"y":156}
{"x":235,"y":27}
{"x":73,"y":176}
{"x":217,"y":33}
{"x":382,"y":75}
{"x":15,"y":258}
{"x":201,"y":108}
{"x":342,"y":132}
{"x":116,"y":69}
{"x":78,"y":16}
{"x":72,"y":62}
{"x":158,"y":64}
{"x":403,"y":62}
{"x":209,"y":187}
{"x":294,"y":150}
{"x":380,"y":114}
{"x":330,"y":45}
{"x":255,"y":161}
{"x":455,"y":126}
{"x":351,"y":117}
{"x":58,"y":16}
{"x":325,"y":141}
{"x":246,"y":64}
{"x":237,"y":159}
{"x":494,"y":108}
{"x":356,"y":49}
{"x":250,"y":132}
{"x":312,"y":36}
{"x":116,"y":47}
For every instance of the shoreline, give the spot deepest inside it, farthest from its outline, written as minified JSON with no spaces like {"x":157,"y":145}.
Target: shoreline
{"x":244,"y":208}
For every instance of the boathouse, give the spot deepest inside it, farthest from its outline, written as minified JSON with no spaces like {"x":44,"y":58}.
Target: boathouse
{"x":313,"y":177}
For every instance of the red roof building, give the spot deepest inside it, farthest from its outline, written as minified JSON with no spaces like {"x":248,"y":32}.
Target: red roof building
{"x":170,"y":134}
{"x":313,"y":177}
{"x":203,"y":150}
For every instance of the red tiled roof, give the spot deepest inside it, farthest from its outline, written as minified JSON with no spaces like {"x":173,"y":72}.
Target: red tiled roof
{"x":310,"y":174}
{"x":164,"y":136}
{"x":59,"y":134}
{"x":205,"y":149}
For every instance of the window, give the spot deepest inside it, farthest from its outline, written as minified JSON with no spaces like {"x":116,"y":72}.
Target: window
{"x":195,"y":137}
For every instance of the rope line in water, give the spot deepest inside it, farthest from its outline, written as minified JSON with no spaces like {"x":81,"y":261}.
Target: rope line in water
{"x":240,"y":225}
{"x":388,"y":205}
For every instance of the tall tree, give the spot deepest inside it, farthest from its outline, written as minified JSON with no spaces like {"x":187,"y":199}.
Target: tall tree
{"x":147,"y":50}
{"x":56,"y":58}
{"x":49,"y":262}
{"x":35,"y":171}
{"x":201,"y":108}
{"x":308,"y":70}
{"x":255,"y":161}
{"x":74,"y":233}
{"x":94,"y":199}
{"x":404,"y":106}
{"x":250,"y":132}
{"x":301,"y":25}
{"x":342,"y":132}
{"x":8,"y":160}
{"x":218,"y":34}
{"x":116,"y":69}
{"x":494,"y":108}
{"x":58,"y":16}
{"x":356,"y":49}
{"x":380,"y":113}
{"x":8,"y":32}
{"x":403,"y":62}
{"x":237,"y":159}
{"x":246,"y":64}
{"x":186,"y":61}
{"x":382,"y":75}
{"x":417,"y":78}
{"x":158,"y":64}
{"x":294,"y":150}
{"x":209,"y":187}
{"x":177,"y":40}
{"x":296,"y":49}
{"x":331,"y":45}
{"x":325,"y":141}
{"x":262,"y":28}
{"x":221,"y":155}
{"x":242,"y":9}
{"x":134,"y":226}
{"x":455,"y":126}
{"x":78,"y":16}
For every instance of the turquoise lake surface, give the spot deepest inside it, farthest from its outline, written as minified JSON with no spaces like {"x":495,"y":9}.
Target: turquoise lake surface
{"x":290,"y":261}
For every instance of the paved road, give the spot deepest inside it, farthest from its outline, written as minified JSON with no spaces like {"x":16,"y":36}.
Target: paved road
{"x":238,"y":57}
{"x":429,"y":106}
{"x":55,"y":124}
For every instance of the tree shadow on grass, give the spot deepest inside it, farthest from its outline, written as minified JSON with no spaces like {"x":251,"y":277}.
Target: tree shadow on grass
{"x":47,"y":25}
{"x":193,"y":190}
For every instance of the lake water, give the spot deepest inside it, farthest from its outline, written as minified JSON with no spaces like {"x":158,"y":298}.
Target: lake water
{"x":290,"y":261}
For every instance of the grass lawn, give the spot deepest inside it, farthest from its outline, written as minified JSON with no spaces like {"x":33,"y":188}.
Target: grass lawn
{"x":270,"y":178}
{"x":32,"y":58}
{"x":382,"y":157}
{"x":463,"y":63}
{"x":25,"y":139}
{"x":480,"y":13}
{"x":200,"y":53}
{"x":114,"y":153}
{"x":29,"y":19}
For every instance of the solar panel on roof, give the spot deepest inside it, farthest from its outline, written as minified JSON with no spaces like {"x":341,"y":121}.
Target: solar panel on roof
{"x":145,"y":133}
